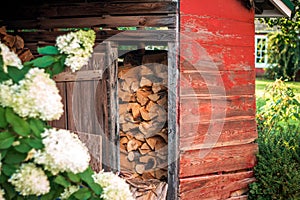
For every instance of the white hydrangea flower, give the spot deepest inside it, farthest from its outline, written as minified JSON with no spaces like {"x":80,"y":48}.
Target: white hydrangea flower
{"x":2,"y":194}
{"x":6,"y":93}
{"x":114,"y":187}
{"x":69,"y":191}
{"x":63,"y":152}
{"x":9,"y":58}
{"x":78,"y":46}
{"x":30,"y":180}
{"x":35,"y":96}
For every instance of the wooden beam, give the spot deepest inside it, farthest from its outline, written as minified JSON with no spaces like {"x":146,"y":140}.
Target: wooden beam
{"x":87,"y":22}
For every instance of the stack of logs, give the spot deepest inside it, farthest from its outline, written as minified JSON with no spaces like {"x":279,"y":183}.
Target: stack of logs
{"x":16,"y":44}
{"x":143,"y":119}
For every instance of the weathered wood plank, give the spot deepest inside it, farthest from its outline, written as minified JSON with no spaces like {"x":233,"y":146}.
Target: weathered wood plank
{"x":78,"y":76}
{"x":215,"y":186}
{"x":227,"y":132}
{"x":202,"y":109}
{"x":193,"y":83}
{"x":216,"y":160}
{"x":112,"y":35}
{"x":84,"y":22}
{"x":173,"y":134}
{"x":62,"y":122}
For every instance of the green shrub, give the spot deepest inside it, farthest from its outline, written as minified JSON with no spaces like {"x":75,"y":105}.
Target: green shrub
{"x":277,"y":171}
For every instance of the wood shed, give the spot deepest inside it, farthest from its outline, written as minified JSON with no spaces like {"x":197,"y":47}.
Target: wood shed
{"x":168,"y":95}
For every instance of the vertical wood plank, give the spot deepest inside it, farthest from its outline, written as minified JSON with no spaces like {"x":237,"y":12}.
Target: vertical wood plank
{"x":173,"y":137}
{"x":111,"y":139}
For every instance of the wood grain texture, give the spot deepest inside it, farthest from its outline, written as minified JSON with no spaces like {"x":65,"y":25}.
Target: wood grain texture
{"x":217,"y":160}
{"x":215,"y":187}
{"x":218,"y":133}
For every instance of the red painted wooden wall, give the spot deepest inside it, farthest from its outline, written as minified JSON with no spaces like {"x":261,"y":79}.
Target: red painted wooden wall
{"x":217,"y":99}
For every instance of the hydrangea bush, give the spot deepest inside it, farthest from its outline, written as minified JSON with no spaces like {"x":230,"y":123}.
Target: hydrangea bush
{"x":38,"y":161}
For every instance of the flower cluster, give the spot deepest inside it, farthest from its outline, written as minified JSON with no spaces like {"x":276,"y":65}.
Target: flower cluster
{"x":113,"y":186}
{"x":9,"y":58}
{"x":78,"y":46}
{"x":63,"y":152}
{"x":30,"y":180}
{"x":35,"y":96}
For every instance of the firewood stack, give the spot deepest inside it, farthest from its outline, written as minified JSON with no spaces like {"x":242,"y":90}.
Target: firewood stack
{"x":16,"y":44}
{"x":143,"y":117}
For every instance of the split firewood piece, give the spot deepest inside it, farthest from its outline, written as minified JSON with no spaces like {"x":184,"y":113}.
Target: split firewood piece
{"x":19,"y":43}
{"x":140,"y":137}
{"x":154,"y":97}
{"x":125,"y":164}
{"x":149,"y":161}
{"x":163,"y":101}
{"x":123,"y":143}
{"x":144,"y":149}
{"x":140,"y":168}
{"x":9,"y":40}
{"x":133,"y":144}
{"x":145,"y":82}
{"x":123,"y":109}
{"x":144,"y":70}
{"x":122,"y":71}
{"x":164,"y":134}
{"x":25,"y":55}
{"x":135,"y":110}
{"x":148,"y":175}
{"x":3,"y":30}
{"x":157,"y":87}
{"x":128,"y":126}
{"x":144,"y":114}
{"x":125,"y":96}
{"x":133,"y":156}
{"x":161,"y":190}
{"x":124,"y":86}
{"x":149,"y":105}
{"x":161,"y":174}
{"x":142,"y":96}
{"x":134,"y":86}
{"x":128,"y":71}
{"x":149,"y":128}
{"x":156,"y":142}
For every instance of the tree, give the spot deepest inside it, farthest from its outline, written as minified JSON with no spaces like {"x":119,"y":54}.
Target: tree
{"x":284,"y":46}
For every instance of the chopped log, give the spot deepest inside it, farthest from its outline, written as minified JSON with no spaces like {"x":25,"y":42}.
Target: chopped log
{"x":125,"y":96}
{"x":123,"y":109}
{"x":133,"y":144}
{"x":142,"y":97}
{"x":19,"y":43}
{"x":144,"y":114}
{"x":140,"y":168}
{"x":161,"y":174}
{"x":145,"y":82}
{"x":145,"y":146}
{"x":124,"y":140}
{"x":124,"y":163}
{"x":9,"y":40}
{"x":140,"y":137}
{"x":25,"y":55}
{"x":135,"y":109}
{"x":157,"y":87}
{"x":149,"y":105}
{"x":133,"y":156}
{"x":124,"y":86}
{"x":153,"y":97}
{"x":128,"y":126}
{"x":144,"y":151}
{"x":134,"y":86}
{"x":156,"y":142}
{"x":149,"y":161}
{"x":163,"y":101}
{"x":144,"y":70}
{"x":164,"y":134}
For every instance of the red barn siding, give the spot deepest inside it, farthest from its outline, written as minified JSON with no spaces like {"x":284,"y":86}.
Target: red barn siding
{"x":217,"y":99}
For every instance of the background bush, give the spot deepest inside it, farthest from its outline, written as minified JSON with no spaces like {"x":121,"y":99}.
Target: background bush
{"x":278,"y":162}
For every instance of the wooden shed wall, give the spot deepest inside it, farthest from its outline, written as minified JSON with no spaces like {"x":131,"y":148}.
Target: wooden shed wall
{"x":217,"y":76}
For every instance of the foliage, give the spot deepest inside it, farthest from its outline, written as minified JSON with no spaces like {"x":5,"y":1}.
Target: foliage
{"x":284,"y":46}
{"x":36,"y":160}
{"x":278,"y":167}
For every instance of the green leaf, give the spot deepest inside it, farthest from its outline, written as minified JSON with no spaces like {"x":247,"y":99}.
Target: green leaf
{"x":43,"y":62}
{"x":58,"y":68}
{"x":48,"y":50}
{"x":19,"y":125}
{"x":37,"y":126}
{"x":73,"y":177}
{"x":14,"y":157}
{"x":6,"y":140}
{"x":61,"y":181}
{"x":10,"y":193}
{"x":8,"y":170}
{"x":3,"y":76}
{"x":17,"y":74}
{"x":3,"y":122}
{"x":86,"y":176}
{"x":35,"y":143}
{"x":23,"y":147}
{"x":83,"y":194}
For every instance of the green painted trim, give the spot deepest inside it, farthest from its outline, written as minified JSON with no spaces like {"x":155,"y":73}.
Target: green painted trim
{"x":289,"y":4}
